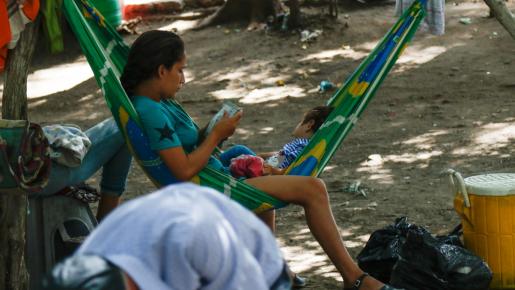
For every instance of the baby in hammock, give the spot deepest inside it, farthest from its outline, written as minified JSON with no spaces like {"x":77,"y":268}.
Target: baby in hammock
{"x":242,"y":162}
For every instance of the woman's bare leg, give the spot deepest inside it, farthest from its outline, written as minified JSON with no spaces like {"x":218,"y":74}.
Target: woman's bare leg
{"x":311,"y":194}
{"x":106,"y":204}
{"x":268,"y":217}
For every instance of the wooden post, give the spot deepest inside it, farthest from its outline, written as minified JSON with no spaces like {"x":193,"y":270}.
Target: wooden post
{"x":13,"y":207}
{"x":502,"y":13}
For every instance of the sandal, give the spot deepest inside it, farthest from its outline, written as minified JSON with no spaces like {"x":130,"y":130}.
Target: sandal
{"x":298,"y":282}
{"x":358,"y":282}
{"x":360,"y":279}
{"x":81,"y":192}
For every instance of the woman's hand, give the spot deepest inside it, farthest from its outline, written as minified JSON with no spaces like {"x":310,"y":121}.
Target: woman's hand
{"x":270,"y":170}
{"x":186,"y":165}
{"x":227,"y":125}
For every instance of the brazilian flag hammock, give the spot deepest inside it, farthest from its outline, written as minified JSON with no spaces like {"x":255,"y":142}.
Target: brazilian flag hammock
{"x":107,"y":53}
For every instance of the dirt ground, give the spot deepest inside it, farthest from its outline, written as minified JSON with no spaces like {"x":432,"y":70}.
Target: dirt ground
{"x":448,"y":103}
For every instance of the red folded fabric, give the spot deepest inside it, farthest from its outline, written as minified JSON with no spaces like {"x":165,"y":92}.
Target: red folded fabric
{"x":247,"y":166}
{"x":31,"y":8}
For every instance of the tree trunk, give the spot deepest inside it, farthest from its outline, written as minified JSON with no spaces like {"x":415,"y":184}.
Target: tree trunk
{"x":13,"y":270}
{"x":14,"y":100}
{"x":13,"y":207}
{"x":503,"y":15}
{"x":242,"y":10}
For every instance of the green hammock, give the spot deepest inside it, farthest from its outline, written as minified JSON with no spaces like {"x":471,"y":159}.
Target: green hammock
{"x":107,"y":54}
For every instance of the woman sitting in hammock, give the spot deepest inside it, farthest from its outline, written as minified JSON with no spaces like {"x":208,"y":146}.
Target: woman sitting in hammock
{"x":152,"y":77}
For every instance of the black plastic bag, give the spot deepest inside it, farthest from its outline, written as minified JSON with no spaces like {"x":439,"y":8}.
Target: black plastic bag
{"x":384,"y":246}
{"x":427,"y":263}
{"x":453,"y":238}
{"x":382,"y":249}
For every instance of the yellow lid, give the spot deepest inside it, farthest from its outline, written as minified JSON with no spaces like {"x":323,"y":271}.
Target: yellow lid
{"x":496,"y":184}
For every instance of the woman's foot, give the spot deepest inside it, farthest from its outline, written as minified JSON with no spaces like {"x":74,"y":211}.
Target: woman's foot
{"x":366,"y":282}
{"x":298,"y":281}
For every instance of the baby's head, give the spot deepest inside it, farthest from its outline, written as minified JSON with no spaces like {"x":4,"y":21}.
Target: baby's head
{"x":312,"y":120}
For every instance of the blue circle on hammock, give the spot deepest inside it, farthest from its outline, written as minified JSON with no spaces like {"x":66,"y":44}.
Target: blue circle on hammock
{"x":305,"y":168}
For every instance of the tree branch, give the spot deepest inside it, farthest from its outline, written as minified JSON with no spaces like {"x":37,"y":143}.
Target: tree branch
{"x":503,"y":15}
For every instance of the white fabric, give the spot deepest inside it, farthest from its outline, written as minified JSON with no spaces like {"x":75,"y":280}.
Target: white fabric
{"x":17,"y":23}
{"x":68,"y":143}
{"x":434,"y":22}
{"x":188,"y":237}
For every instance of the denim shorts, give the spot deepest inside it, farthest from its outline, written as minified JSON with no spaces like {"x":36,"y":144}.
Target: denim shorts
{"x":108,"y":151}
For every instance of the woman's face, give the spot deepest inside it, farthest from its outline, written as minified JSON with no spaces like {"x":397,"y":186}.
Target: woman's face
{"x":173,"y":79}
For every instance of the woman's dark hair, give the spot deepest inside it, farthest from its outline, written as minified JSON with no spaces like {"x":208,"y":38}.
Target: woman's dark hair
{"x":150,"y":50}
{"x":318,"y":115}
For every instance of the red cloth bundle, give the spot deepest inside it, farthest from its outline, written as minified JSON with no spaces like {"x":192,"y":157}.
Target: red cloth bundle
{"x":247,"y":166}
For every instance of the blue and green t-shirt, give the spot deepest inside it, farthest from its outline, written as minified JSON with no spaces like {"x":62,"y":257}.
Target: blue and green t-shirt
{"x":167,"y":125}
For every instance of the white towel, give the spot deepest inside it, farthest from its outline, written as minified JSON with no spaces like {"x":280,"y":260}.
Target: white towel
{"x":68,"y":144}
{"x":434,"y":22}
